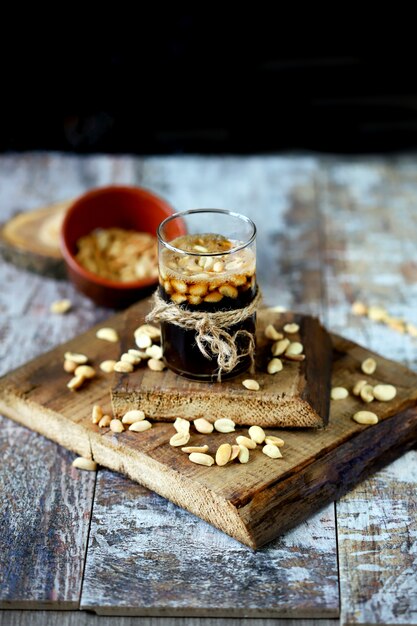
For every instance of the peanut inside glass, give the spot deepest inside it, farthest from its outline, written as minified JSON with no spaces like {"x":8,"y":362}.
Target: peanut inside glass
{"x":210,"y":269}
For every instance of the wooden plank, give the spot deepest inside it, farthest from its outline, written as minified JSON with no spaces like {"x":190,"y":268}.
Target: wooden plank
{"x":370,"y":256}
{"x":82,"y":618}
{"x":151,"y":575}
{"x":297,"y":397}
{"x":45,"y":512}
{"x":45,"y":504}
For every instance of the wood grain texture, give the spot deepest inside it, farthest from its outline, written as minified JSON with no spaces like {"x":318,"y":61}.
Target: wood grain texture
{"x":45,"y":513}
{"x":84,"y":618}
{"x":370,"y":256}
{"x":297,"y":397}
{"x":279,"y":580}
{"x":30,"y":240}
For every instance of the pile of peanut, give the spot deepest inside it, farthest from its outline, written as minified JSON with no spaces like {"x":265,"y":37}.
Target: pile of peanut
{"x":205,"y":275}
{"x":118,"y":254}
{"x":366,"y":392}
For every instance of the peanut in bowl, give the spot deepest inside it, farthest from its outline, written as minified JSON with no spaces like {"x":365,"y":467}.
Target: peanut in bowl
{"x":107,"y":242}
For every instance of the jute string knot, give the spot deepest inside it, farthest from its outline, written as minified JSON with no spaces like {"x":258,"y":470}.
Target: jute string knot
{"x":211,"y":330}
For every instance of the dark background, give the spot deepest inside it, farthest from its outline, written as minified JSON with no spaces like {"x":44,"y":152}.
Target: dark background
{"x":204,"y":80}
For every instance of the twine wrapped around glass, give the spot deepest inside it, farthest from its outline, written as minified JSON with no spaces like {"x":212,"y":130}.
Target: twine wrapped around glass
{"x":207,"y":297}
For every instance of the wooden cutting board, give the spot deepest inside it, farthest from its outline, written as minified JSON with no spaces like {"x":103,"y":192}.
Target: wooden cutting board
{"x":254,"y":502}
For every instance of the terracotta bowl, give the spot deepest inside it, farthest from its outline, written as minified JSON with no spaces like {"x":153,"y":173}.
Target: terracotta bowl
{"x":124,"y":207}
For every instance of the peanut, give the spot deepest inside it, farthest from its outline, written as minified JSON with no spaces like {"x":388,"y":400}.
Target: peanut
{"x":279,"y":347}
{"x":133,"y":416}
{"x":257,"y":434}
{"x":70,"y":366}
{"x":147,"y":329}
{"x":245,"y":441}
{"x":358,"y":387}
{"x":96,"y":414}
{"x":107,"y":366}
{"x":223,"y":454}
{"x":60,"y":307}
{"x":272,"y":333}
{"x":203,"y":426}
{"x":295,"y":348}
{"x":179,"y":439}
{"x":140,"y":427}
{"x":274,"y":441}
{"x":123,"y":368}
{"x":201,"y":459}
{"x":155,"y":365}
{"x":384,"y":393}
{"x":116,"y":426}
{"x":251,"y":384}
{"x":154,"y":352}
{"x":76,"y":382}
{"x":365,"y":417}
{"x":77,"y":358}
{"x":272,"y":451}
{"x":143,"y":340}
{"x":368,"y":366}
{"x":224,"y":425}
{"x":274,"y":366}
{"x":367,"y":393}
{"x":182,"y":425}
{"x":201,"y":449}
{"x":84,"y":464}
{"x":291,"y":328}
{"x":243,"y":454}
{"x":107,"y":334}
{"x":339,"y":393}
{"x":86,"y":371}
{"x":235,"y":452}
{"x":105,"y":421}
{"x":130,"y":358}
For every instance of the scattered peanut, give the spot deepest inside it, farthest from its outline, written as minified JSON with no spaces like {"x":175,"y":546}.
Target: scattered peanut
{"x":359,"y":308}
{"x":235,"y":452}
{"x":123,"y":368}
{"x":182,"y":425}
{"x":60,"y":307}
{"x":377,"y":313}
{"x":224,"y":425}
{"x":70,"y":366}
{"x":241,"y":440}
{"x":86,"y":371}
{"x":365,"y":417}
{"x":147,"y":329}
{"x":368,"y":366}
{"x":155,"y":352}
{"x":140,"y":427}
{"x":294,"y":357}
{"x":367,"y":393}
{"x":243,"y":455}
{"x":105,"y":421}
{"x":201,"y":459}
{"x":272,"y":451}
{"x":155,"y":365}
{"x":201,"y":449}
{"x":384,"y":393}
{"x":130,"y":358}
{"x":274,"y":441}
{"x":223,"y":454}
{"x":279,"y":347}
{"x":143,"y":341}
{"x":84,"y":464}
{"x":257,"y":434}
{"x":77,"y":358}
{"x":291,"y":328}
{"x":274,"y":366}
{"x":76,"y":382}
{"x":96,"y":414}
{"x":179,"y":439}
{"x":358,"y":387}
{"x":251,"y":384}
{"x":140,"y":354}
{"x":339,"y":393}
{"x":203,"y":426}
{"x":107,"y":334}
{"x":133,"y":416}
{"x":107,"y":366}
{"x":116,"y":426}
{"x":272,"y":333}
{"x":295,"y":348}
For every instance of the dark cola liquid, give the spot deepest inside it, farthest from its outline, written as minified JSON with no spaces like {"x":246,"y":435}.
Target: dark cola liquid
{"x":183,"y":355}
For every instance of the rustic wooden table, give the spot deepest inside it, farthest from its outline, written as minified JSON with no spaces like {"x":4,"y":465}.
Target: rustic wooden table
{"x":331,"y":231}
